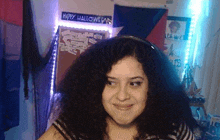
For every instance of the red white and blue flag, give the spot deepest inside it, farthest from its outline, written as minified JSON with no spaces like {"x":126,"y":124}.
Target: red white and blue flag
{"x":144,"y":22}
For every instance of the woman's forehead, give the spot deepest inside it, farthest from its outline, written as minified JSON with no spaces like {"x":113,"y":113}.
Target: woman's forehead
{"x":128,"y":66}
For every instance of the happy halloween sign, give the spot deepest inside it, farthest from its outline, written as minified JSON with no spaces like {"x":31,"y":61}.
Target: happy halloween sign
{"x":86,"y":18}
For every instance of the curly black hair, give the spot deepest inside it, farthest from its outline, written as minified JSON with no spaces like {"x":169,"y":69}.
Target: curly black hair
{"x":83,"y":114}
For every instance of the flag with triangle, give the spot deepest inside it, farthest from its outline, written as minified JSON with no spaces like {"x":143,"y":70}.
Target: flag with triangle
{"x":145,"y":22}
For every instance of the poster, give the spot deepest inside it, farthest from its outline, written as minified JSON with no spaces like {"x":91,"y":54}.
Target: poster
{"x":73,"y":42}
{"x":175,"y":50}
{"x":177,"y":35}
{"x":177,"y":28}
{"x":76,"y":41}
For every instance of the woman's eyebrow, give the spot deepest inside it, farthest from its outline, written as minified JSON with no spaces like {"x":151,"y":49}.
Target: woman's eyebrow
{"x":111,"y":77}
{"x":136,"y":77}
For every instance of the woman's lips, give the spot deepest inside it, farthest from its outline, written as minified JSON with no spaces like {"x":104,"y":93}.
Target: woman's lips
{"x":123,"y":107}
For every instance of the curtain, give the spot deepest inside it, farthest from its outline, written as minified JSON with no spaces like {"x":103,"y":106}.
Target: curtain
{"x":40,"y":68}
{"x":10,"y":50}
{"x":210,"y":75}
{"x":43,"y":81}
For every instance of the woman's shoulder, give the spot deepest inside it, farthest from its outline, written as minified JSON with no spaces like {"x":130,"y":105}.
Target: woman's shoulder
{"x":57,"y":131}
{"x":182,"y":132}
{"x":52,"y":134}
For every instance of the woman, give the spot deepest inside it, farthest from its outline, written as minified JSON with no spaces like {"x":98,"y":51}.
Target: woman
{"x":174,"y":27}
{"x":122,"y":88}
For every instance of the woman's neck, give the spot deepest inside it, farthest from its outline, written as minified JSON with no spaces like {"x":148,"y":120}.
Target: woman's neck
{"x":118,"y":132}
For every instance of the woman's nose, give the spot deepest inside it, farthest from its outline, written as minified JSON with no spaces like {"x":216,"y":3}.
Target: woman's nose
{"x":123,"y":93}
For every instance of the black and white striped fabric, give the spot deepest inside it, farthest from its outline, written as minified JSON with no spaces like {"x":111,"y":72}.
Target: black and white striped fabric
{"x":184,"y":133}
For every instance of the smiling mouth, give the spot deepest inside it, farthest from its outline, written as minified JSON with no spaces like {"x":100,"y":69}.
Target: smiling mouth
{"x":123,"y":107}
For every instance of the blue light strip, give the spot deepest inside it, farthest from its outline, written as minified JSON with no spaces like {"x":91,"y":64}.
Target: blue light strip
{"x":54,"y":56}
{"x":52,"y":80}
{"x":195,"y":49}
{"x":192,"y":29}
{"x":196,"y":7}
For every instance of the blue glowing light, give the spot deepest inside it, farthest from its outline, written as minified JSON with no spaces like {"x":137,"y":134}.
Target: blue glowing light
{"x":195,"y":50}
{"x":54,"y":56}
{"x":196,"y":8}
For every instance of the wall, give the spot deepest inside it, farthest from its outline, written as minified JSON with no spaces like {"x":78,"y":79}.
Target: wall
{"x":97,"y":7}
{"x":45,"y":19}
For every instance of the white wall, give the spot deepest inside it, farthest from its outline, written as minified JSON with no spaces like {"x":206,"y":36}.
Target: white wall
{"x":96,"y":7}
{"x":45,"y":18}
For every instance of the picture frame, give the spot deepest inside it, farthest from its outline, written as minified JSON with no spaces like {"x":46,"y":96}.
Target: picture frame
{"x":177,"y":28}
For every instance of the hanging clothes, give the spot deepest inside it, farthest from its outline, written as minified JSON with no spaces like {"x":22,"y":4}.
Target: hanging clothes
{"x":10,"y":63}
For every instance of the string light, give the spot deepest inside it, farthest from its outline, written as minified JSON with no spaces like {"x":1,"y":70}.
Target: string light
{"x":196,"y":7}
{"x":54,"y":56}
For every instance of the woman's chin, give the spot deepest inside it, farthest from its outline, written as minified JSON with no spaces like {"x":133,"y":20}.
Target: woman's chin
{"x":124,"y":123}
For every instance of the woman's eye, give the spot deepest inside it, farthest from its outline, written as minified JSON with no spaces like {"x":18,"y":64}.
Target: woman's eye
{"x":111,"y":83}
{"x":135,"y":84}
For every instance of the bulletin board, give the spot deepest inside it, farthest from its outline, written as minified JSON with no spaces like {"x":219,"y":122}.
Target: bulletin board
{"x":73,"y":42}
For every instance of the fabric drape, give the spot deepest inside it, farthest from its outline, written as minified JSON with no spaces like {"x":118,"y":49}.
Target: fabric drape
{"x":43,"y":84}
{"x":40,"y":68}
{"x":32,"y":60}
{"x":210,"y":75}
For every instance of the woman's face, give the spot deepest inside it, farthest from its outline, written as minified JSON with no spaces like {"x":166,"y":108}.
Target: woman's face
{"x":173,"y":29}
{"x":125,"y":94}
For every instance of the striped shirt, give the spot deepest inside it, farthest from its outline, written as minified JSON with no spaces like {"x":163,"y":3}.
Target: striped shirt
{"x":183,"y":133}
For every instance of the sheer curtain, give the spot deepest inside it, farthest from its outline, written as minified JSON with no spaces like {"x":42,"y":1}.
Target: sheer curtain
{"x":209,"y":75}
{"x":37,"y":67}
